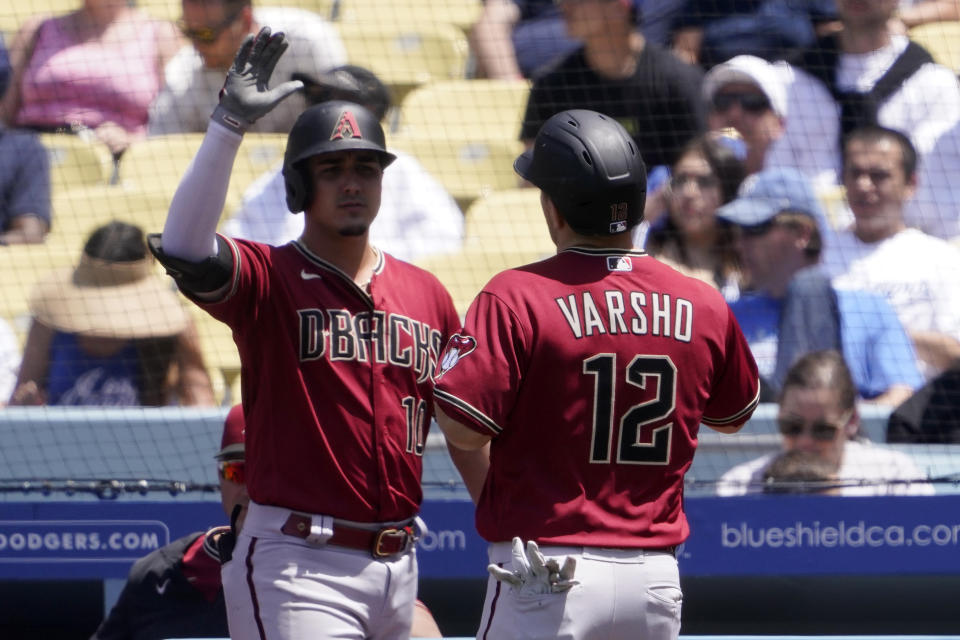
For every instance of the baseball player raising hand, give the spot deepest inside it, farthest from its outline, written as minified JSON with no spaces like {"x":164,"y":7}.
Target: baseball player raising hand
{"x":580,"y":383}
{"x":338,"y":342}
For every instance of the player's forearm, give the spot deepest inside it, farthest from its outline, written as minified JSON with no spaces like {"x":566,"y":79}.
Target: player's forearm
{"x":473,"y":467}
{"x":190,"y":229}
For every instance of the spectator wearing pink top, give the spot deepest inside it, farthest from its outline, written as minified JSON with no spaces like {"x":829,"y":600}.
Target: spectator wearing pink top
{"x":97,"y":68}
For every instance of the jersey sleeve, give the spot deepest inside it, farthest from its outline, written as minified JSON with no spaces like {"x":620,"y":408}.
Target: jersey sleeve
{"x":490,"y":348}
{"x":736,"y":389}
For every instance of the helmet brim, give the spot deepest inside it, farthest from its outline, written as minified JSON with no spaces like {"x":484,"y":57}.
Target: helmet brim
{"x":522,"y":164}
{"x":325,"y":147}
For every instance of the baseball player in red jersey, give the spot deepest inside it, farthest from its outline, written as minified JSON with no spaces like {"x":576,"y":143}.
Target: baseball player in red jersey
{"x":338,"y":343}
{"x":580,"y":383}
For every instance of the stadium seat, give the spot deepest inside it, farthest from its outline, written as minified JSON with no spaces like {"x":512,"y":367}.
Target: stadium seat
{"x":465,"y":272}
{"x":408,"y":55}
{"x":76,"y":161}
{"x":13,"y":13}
{"x":23,"y":265}
{"x":171,"y":9}
{"x":77,"y":212}
{"x":509,"y":220}
{"x":156,"y":165}
{"x":474,"y":109}
{"x":220,"y":355}
{"x":468,"y":169}
{"x":459,"y":13}
{"x":942,"y":40}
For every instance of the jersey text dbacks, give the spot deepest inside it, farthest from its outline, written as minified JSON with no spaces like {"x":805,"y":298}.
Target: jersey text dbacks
{"x":347,"y":371}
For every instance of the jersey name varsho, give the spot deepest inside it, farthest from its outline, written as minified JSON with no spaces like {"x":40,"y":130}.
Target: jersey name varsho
{"x":391,"y":337}
{"x":632,"y":312}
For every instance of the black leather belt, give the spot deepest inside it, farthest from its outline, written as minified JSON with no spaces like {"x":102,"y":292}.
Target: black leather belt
{"x":381,"y":543}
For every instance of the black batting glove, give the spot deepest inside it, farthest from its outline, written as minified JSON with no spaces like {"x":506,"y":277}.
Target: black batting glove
{"x":245,"y":97}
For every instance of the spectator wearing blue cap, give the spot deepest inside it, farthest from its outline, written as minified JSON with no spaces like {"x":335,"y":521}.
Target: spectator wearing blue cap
{"x":792,"y":309}
{"x":24,"y":178}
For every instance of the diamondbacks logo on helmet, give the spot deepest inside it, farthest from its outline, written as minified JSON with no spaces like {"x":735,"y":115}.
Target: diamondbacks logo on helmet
{"x":346,"y":127}
{"x":458,"y":347}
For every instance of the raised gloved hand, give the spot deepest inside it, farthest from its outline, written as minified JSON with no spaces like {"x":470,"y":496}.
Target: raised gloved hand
{"x":532,"y":573}
{"x":244,"y":97}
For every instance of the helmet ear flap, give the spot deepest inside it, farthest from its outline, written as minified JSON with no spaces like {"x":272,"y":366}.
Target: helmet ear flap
{"x":297,"y":188}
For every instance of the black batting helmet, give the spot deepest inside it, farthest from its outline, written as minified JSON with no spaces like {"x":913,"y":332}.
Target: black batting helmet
{"x":591,"y":169}
{"x":326,"y":128}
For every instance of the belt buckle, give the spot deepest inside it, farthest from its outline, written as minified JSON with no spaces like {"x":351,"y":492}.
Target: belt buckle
{"x":390,"y":533}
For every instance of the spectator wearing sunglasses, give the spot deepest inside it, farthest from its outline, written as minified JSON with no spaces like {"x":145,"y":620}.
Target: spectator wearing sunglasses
{"x":790,"y":307}
{"x":817,"y":414}
{"x":747,"y":95}
{"x":175,"y":591}
{"x":96,"y":69}
{"x":690,"y":237}
{"x":215,"y":30}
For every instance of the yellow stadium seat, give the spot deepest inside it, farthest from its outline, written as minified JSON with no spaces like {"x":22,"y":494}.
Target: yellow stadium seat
{"x":13,"y":13}
{"x":468,"y":169}
{"x":156,"y":165}
{"x":459,"y":13}
{"x":405,"y":56}
{"x":220,"y":355}
{"x":942,"y":40}
{"x":833,"y":199}
{"x":171,"y":9}
{"x":479,"y":109}
{"x":465,"y":272}
{"x":509,"y":220}
{"x":77,"y":212}
{"x":23,"y":265}
{"x":76,"y":161}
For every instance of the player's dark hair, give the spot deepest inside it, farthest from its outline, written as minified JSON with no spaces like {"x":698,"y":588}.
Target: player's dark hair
{"x":874,"y":133}
{"x":822,"y":370}
{"x":117,"y":242}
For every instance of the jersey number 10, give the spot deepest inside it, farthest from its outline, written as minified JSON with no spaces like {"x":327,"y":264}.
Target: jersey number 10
{"x":637,"y":442}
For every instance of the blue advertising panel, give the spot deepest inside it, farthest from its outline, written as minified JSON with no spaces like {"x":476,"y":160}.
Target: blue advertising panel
{"x":825,"y":535}
{"x":750,"y":535}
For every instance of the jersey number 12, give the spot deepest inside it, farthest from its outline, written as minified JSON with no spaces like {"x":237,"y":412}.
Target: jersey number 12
{"x":637,"y":441}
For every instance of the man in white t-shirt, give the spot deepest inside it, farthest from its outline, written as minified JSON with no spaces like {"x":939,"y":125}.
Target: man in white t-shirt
{"x":215,"y":29}
{"x":818,"y":415}
{"x":916,"y":272}
{"x":924,"y":104}
{"x":417,"y":216}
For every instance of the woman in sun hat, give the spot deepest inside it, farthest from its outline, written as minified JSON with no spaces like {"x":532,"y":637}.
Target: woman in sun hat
{"x":111,"y":332}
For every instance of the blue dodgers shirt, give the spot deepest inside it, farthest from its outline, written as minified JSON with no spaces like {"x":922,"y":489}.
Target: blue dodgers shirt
{"x":875,"y":345}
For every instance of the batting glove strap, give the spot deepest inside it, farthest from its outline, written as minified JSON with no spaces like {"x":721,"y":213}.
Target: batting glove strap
{"x":245,"y":96}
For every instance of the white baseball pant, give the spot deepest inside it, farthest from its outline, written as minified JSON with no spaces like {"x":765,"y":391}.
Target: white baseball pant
{"x":279,"y":587}
{"x":622,"y":594}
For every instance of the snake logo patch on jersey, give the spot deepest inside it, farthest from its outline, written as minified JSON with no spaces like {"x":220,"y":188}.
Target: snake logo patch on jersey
{"x":619,"y":263}
{"x":458,"y":347}
{"x":346,"y":127}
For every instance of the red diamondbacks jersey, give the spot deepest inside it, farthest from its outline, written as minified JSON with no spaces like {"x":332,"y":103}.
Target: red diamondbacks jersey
{"x":337,"y":383}
{"x":593,"y":371}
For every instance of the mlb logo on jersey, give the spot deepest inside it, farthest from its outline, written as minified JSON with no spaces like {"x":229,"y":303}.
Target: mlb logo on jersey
{"x":346,"y":127}
{"x":619,"y":263}
{"x":458,"y":347}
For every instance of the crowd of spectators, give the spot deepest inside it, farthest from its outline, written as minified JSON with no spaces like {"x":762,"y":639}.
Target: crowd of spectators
{"x":748,"y":114}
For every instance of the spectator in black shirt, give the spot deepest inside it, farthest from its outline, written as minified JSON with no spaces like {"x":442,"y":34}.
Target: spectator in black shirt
{"x":617,"y":72}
